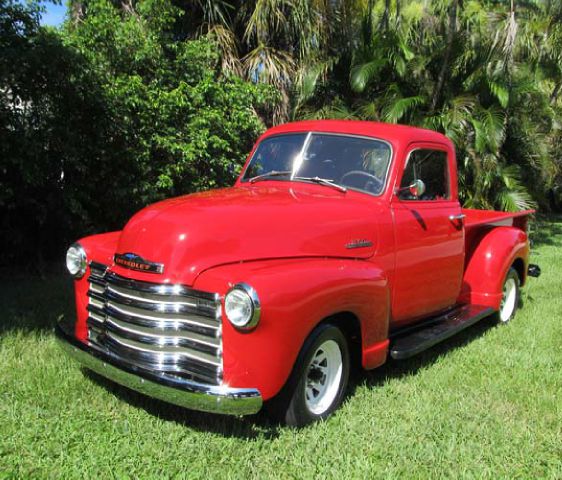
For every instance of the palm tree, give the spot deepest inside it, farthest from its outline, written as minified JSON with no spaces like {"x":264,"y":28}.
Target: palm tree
{"x":486,"y":73}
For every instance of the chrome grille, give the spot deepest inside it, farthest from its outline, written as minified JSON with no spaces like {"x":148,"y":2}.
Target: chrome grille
{"x":167,"y":328}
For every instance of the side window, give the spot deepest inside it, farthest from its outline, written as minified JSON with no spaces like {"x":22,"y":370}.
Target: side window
{"x":431,"y":167}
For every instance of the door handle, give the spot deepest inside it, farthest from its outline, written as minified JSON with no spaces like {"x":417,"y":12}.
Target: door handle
{"x":460,"y":216}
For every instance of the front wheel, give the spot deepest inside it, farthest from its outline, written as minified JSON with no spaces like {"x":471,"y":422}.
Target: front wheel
{"x":319,"y":379}
{"x":510,"y":296}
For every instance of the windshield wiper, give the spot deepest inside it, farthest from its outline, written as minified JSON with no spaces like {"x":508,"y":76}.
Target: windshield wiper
{"x":322,"y":181}
{"x":272,"y":173}
{"x":319,"y":180}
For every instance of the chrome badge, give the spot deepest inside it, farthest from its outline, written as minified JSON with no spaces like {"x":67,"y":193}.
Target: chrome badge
{"x":359,"y":244}
{"x":135,"y":262}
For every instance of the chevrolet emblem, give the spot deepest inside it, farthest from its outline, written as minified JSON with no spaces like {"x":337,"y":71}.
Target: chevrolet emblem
{"x":135,"y":262}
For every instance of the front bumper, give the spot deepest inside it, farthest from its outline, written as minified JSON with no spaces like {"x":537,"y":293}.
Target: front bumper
{"x":164,"y":386}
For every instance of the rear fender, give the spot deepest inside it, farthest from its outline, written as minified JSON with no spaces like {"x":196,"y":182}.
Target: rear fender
{"x":488,"y":261}
{"x":295,"y":296}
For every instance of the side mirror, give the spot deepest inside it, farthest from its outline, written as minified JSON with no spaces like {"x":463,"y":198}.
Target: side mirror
{"x":417,"y":189}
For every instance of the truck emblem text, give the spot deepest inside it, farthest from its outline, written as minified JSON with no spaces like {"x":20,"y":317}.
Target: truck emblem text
{"x":359,"y":244}
{"x":134,"y":262}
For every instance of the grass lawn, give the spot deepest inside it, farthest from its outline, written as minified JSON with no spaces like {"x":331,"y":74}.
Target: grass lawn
{"x":486,"y":404}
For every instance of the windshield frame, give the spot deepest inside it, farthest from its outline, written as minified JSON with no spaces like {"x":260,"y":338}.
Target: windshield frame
{"x":309,"y":133}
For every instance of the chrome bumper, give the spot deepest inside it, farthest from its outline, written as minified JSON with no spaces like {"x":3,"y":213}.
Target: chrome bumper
{"x":172,"y":389}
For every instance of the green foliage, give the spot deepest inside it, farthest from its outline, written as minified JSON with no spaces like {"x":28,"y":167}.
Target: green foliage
{"x":486,"y":73}
{"x":108,"y":115}
{"x":135,"y":100}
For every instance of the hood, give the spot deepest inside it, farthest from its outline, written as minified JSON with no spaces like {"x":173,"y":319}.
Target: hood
{"x":192,"y":233}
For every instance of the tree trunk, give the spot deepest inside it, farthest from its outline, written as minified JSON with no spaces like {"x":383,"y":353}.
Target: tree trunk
{"x":76,"y":12}
{"x":386,"y":14}
{"x":555,"y":92}
{"x":452,"y":30}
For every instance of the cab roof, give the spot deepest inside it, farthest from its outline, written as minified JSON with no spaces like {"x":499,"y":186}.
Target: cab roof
{"x":395,"y":134}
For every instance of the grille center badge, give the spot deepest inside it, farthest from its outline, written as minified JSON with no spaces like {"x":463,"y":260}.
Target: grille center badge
{"x":135,"y":262}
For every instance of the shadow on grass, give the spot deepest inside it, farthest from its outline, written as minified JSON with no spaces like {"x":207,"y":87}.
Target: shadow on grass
{"x":395,"y":369}
{"x":35,"y":303}
{"x":249,"y":427}
{"x":259,"y":425}
{"x":547,"y":231}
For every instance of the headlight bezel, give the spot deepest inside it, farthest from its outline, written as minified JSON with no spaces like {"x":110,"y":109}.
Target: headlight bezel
{"x":80,"y":259}
{"x":253,"y":318}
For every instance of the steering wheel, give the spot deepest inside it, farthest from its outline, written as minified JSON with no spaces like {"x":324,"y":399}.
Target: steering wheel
{"x":361,"y":173}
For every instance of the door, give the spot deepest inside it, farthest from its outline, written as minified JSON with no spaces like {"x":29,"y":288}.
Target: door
{"x":429,"y":236}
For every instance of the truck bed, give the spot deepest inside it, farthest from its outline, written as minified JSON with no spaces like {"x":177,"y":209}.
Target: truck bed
{"x":477,"y":218}
{"x":478,"y":223}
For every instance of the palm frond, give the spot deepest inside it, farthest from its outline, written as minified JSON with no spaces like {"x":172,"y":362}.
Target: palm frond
{"x":266,"y":18}
{"x":500,"y":92}
{"x":226,"y":42}
{"x":268,"y":65}
{"x":364,"y":73}
{"x":489,"y":124}
{"x":215,"y":12}
{"x":512,"y":196}
{"x":399,"y":107}
{"x":336,"y":110}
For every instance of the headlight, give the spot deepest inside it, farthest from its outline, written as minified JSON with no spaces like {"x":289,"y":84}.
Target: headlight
{"x":76,"y":260}
{"x":242,"y":306}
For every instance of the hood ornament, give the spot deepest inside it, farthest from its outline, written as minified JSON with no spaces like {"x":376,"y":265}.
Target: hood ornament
{"x":135,"y":262}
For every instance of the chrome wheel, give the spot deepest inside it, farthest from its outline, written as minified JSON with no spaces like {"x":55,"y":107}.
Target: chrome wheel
{"x":323,"y":377}
{"x":509,"y":299}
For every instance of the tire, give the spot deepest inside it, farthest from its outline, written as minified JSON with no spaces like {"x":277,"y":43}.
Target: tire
{"x":318,"y":383}
{"x":511,"y":296}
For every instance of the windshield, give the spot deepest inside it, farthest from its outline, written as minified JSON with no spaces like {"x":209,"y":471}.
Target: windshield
{"x":357,"y":163}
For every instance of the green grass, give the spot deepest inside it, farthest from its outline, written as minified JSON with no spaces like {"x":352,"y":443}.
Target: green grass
{"x":486,"y":404}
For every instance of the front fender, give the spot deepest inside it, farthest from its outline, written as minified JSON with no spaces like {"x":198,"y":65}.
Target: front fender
{"x":296,"y":295}
{"x":488,"y":263}
{"x":99,"y":248}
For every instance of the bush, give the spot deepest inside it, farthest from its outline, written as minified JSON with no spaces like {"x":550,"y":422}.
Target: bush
{"x":108,"y":115}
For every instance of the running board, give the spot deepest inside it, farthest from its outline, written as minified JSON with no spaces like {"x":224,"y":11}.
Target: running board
{"x":416,"y":340}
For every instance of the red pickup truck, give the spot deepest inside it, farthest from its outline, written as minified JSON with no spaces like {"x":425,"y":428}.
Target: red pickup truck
{"x":340,"y":245}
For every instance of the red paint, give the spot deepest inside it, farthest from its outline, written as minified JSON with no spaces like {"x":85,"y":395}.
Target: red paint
{"x":288,"y":240}
{"x":296,"y":295}
{"x":99,"y":248}
{"x":488,"y":261}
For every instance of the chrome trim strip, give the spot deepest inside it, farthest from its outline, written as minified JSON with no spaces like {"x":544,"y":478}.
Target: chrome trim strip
{"x":163,"y":363}
{"x":163,"y":337}
{"x":162,"y":307}
{"x":158,"y":288}
{"x":155,"y":350}
{"x":143,"y":297}
{"x":163,"y":332}
{"x":159,"y":319}
{"x":167,"y":387}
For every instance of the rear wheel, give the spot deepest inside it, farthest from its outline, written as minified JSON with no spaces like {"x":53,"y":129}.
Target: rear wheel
{"x":319,"y":379}
{"x":510,"y":296}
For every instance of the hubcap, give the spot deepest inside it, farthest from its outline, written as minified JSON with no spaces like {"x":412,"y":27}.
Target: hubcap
{"x":509,"y":298}
{"x":323,"y":377}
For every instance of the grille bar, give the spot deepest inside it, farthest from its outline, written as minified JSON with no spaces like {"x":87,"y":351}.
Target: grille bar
{"x":165,"y":336}
{"x":167,"y":328}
